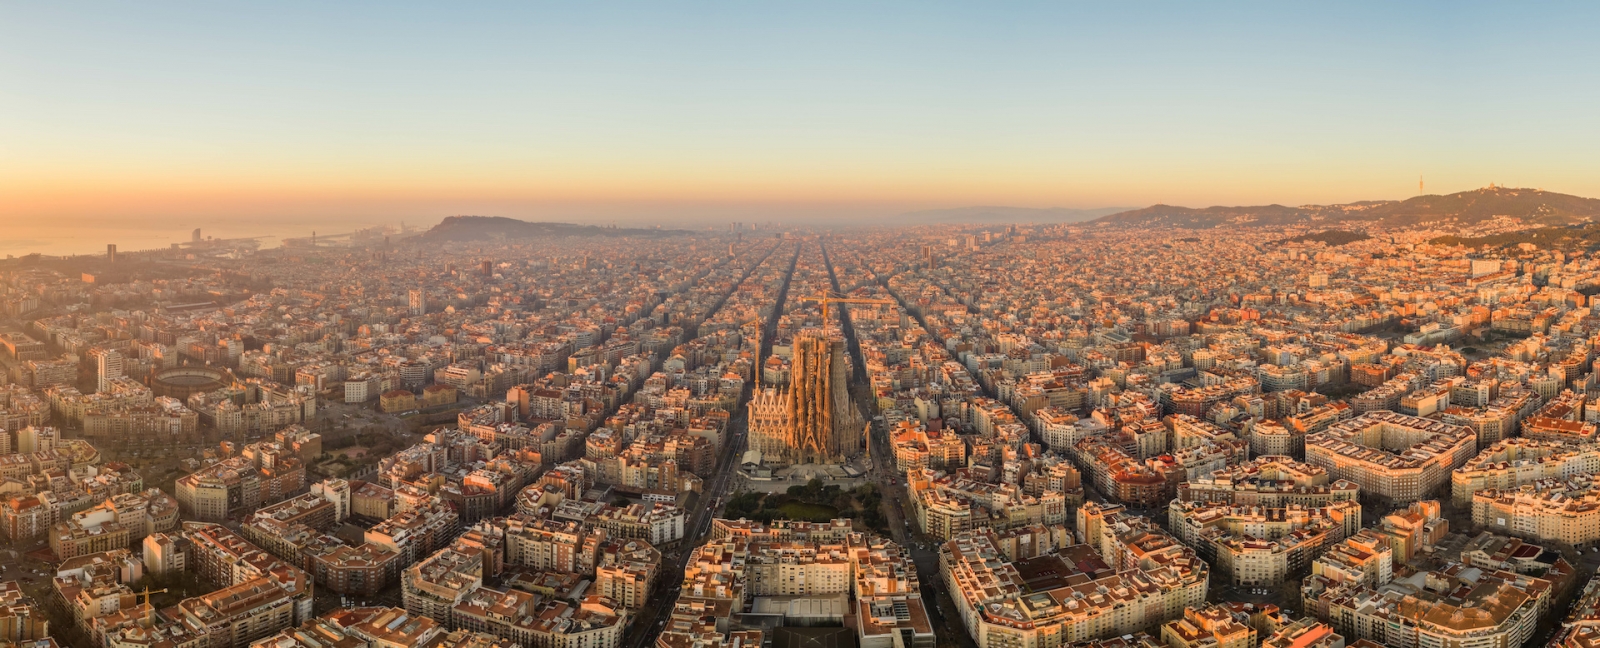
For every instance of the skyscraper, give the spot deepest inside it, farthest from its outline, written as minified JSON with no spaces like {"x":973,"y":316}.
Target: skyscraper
{"x":813,"y":420}
{"x":108,"y":365}
{"x":419,"y":302}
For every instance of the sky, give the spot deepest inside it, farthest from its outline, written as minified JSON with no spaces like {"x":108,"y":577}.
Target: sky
{"x":350,"y":112}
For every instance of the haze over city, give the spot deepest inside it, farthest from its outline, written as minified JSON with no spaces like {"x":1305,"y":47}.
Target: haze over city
{"x":832,"y":112}
{"x":821,"y":325}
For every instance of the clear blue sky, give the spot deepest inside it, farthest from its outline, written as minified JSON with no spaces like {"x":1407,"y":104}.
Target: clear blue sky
{"x":632,"y":109}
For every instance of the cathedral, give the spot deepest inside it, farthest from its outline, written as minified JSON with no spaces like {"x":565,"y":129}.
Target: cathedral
{"x":811,"y":420}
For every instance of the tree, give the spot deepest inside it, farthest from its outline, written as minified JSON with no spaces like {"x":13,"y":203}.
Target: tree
{"x":744,"y":505}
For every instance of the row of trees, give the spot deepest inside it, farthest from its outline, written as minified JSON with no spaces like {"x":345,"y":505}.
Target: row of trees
{"x":862,"y":503}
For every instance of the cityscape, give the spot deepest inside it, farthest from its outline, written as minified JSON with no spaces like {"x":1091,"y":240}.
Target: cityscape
{"x":767,"y":435}
{"x":691,"y":324}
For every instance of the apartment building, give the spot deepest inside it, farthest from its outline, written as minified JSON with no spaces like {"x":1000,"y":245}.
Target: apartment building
{"x":258,"y":597}
{"x":416,"y":533}
{"x":433,"y":587}
{"x":626,"y":572}
{"x":1551,"y":509}
{"x":1562,"y":420}
{"x":658,"y":523}
{"x":1513,"y":462}
{"x":1119,"y":474}
{"x":530,"y":621}
{"x":263,"y":473}
{"x":1400,"y":457}
{"x":748,"y":562}
{"x":114,"y":524}
{"x":1210,"y":626}
{"x":916,"y":447}
{"x":1079,"y":593}
{"x":945,"y":505}
{"x":1258,"y":546}
{"x":1271,"y":481}
{"x":1455,"y":606}
{"x":1307,"y":633}
{"x":544,"y":544}
{"x":1363,"y":559}
{"x":1271,"y":438}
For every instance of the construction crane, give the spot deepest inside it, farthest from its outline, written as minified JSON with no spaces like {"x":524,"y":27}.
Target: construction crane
{"x":825,"y":299}
{"x":152,"y":611}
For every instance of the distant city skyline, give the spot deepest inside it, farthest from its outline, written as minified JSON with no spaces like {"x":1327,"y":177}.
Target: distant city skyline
{"x":725,"y":325}
{"x":686,"y":111}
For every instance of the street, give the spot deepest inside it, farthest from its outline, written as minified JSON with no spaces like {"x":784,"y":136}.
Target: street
{"x":648,"y":622}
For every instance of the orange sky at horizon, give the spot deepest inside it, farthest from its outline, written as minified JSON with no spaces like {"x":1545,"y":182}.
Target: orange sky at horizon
{"x":98,"y":194}
{"x":120,"y":113}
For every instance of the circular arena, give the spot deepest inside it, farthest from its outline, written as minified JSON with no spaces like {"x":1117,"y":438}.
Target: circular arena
{"x":181,"y":382}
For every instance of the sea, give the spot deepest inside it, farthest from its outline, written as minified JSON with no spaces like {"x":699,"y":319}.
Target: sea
{"x":66,"y":239}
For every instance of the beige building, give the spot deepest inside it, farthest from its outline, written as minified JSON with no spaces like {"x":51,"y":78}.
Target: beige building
{"x":1456,"y":606}
{"x":1304,"y":633}
{"x":363,"y":627}
{"x":433,"y":587}
{"x":947,"y":506}
{"x":164,"y":554}
{"x":263,"y":473}
{"x":163,"y":422}
{"x":530,"y":621}
{"x":257,"y":596}
{"x":1257,"y":546}
{"x":750,"y":561}
{"x":1211,"y":626}
{"x":1272,"y":481}
{"x":114,"y":524}
{"x":915,"y":447}
{"x":1513,"y":462}
{"x":626,"y":572}
{"x":1363,"y":559}
{"x":1400,"y":457}
{"x":1269,"y":438}
{"x":1551,"y":510}
{"x":1130,"y":578}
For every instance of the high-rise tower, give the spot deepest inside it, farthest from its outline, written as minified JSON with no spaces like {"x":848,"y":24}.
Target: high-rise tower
{"x":108,"y":367}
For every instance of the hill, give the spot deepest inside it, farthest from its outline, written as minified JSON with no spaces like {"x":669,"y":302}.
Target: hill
{"x":1206,"y":218}
{"x":1007,"y":215}
{"x":1332,"y":238}
{"x":479,"y":228}
{"x":1534,"y":206}
{"x":1573,"y":238}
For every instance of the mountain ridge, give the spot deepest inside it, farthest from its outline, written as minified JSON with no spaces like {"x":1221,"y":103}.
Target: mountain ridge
{"x":478,"y":228}
{"x":989,"y":214}
{"x":1534,"y":206}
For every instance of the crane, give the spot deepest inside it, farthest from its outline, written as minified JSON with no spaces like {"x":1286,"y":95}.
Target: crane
{"x":147,"y":592}
{"x":824,"y":299}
